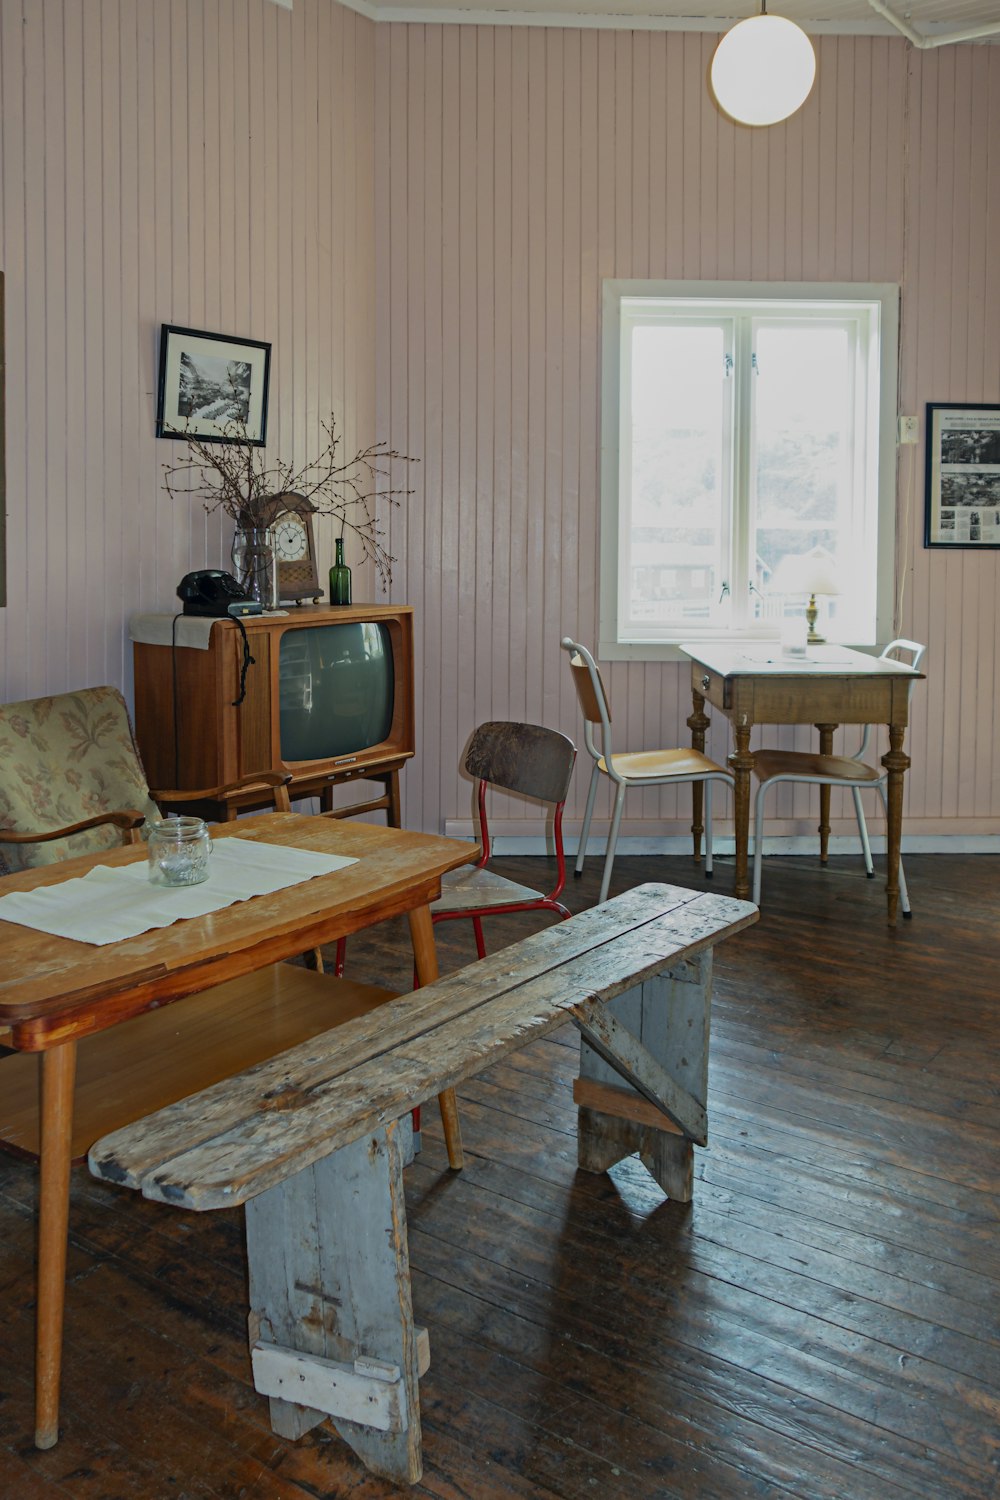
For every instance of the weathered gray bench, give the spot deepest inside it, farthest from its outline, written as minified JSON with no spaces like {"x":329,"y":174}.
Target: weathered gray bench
{"x":314,"y":1142}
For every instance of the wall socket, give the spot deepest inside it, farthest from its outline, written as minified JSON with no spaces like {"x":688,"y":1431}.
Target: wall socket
{"x":909,"y":429}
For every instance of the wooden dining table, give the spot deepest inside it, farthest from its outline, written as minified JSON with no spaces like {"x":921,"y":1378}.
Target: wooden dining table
{"x":56,"y":994}
{"x":830,"y":685}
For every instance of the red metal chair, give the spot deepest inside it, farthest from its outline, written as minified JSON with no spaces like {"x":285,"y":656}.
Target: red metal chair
{"x":532,"y":762}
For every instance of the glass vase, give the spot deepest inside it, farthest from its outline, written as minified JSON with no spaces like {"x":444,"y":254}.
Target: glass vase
{"x":340,"y":576}
{"x":256,"y":565}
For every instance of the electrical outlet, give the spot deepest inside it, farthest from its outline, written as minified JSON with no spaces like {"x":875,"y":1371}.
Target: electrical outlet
{"x":909,"y":429}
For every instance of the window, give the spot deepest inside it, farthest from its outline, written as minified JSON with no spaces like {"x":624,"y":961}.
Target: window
{"x":744,"y":425}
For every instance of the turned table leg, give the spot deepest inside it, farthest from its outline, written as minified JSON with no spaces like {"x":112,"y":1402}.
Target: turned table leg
{"x":58,"y":1079}
{"x":826,"y":732}
{"x":897,"y":763}
{"x":698,"y":723}
{"x":741,"y":764}
{"x":425,"y":960}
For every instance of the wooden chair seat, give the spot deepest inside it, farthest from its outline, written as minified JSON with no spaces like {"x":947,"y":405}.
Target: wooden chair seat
{"x":849,"y":771}
{"x":530,"y":761}
{"x":165,"y":1055}
{"x":642,"y":768}
{"x":660,"y":764}
{"x":768,"y":764}
{"x":473,"y":888}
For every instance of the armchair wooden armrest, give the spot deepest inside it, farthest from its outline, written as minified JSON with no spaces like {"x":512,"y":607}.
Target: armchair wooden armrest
{"x":129,"y":822}
{"x":277,"y":781}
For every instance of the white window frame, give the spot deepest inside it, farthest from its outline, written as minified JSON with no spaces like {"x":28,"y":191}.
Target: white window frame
{"x":613,"y":646}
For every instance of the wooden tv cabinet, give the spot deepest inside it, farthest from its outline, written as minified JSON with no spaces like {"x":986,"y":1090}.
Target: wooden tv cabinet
{"x":192,"y":733}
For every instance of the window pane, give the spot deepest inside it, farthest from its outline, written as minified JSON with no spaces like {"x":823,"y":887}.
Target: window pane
{"x":804,"y":458}
{"x":677,"y":532}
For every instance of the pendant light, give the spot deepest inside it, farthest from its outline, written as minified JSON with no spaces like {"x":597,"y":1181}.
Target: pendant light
{"x":763,"y":69}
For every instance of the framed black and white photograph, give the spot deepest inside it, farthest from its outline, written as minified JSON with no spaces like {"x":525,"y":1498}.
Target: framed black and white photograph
{"x":212,"y":387}
{"x":963,"y":476}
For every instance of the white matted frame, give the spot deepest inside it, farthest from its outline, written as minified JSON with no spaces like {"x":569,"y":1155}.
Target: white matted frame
{"x":962,"y":488}
{"x":212,"y":387}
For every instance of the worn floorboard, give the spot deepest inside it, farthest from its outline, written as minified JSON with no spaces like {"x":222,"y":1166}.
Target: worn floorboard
{"x":823,"y":1322}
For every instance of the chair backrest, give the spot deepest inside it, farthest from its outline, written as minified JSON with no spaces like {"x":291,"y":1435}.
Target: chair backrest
{"x":894,"y":649}
{"x":64,"y":759}
{"x":593,"y":698}
{"x":524,"y":758}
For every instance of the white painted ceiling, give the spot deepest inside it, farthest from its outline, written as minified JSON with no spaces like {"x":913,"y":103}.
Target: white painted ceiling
{"x":932,"y":21}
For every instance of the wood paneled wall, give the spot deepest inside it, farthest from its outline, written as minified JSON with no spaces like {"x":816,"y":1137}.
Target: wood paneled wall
{"x":516,"y":168}
{"x":430,"y":211}
{"x":207,"y":163}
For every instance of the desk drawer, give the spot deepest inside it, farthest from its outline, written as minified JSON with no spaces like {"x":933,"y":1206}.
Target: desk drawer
{"x":712,"y":686}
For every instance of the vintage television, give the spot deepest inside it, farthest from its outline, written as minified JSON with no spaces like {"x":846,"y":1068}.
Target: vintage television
{"x":329,"y":698}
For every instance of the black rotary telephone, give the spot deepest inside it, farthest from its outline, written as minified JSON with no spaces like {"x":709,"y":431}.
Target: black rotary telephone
{"x":212,"y":592}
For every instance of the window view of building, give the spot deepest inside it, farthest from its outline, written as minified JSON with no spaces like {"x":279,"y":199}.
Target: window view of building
{"x":747,"y":435}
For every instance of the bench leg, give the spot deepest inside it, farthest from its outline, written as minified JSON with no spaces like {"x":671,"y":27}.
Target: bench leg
{"x":669,"y":1015}
{"x":330,"y":1312}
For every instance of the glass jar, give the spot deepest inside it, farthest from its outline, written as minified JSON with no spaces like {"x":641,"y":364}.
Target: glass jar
{"x":179,"y":849}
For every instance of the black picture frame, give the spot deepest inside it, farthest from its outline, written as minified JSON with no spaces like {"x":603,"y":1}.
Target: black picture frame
{"x":962,"y":478}
{"x":193,"y":365}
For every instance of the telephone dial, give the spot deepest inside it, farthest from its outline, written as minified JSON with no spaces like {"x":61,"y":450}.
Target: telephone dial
{"x":212,"y":592}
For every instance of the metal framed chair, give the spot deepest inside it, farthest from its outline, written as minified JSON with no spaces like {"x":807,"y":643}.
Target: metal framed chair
{"x":631,"y":768}
{"x":533,"y":762}
{"x":774,"y":766}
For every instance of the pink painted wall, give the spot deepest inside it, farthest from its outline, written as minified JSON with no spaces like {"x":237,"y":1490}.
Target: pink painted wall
{"x":419,"y":219}
{"x":208,"y":164}
{"x":516,"y":168}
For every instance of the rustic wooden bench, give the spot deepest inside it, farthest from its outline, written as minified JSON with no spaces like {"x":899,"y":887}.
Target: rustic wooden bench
{"x":314,"y":1142}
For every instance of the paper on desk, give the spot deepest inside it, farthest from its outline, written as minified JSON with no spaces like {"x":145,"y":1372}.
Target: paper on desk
{"x":111,"y":903}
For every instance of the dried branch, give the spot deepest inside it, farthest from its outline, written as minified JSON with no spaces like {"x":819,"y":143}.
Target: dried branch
{"x":235,"y":478}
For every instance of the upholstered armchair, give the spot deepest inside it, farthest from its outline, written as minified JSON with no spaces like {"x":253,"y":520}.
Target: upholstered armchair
{"x":72,"y":782}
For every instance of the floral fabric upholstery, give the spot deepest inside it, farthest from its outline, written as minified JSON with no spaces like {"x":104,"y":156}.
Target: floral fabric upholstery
{"x":62,"y":760}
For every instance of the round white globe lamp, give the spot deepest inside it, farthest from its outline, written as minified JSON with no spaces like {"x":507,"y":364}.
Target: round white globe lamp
{"x":763,"y":69}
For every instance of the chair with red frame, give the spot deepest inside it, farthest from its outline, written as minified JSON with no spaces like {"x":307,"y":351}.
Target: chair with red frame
{"x":532,"y":762}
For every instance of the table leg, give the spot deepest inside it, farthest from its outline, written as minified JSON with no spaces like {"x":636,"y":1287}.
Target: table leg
{"x":58,"y":1078}
{"x":897,"y":763}
{"x":741,"y":764}
{"x":826,"y":732}
{"x":425,"y":959}
{"x":698,"y":724}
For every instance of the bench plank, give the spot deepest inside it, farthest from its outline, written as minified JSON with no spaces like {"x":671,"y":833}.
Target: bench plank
{"x":235,"y":1140}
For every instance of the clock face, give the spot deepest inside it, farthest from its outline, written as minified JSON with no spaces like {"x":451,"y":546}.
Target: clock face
{"x":290,"y":540}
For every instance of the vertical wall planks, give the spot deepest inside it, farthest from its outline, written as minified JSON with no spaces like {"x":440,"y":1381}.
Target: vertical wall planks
{"x":598,"y":154}
{"x":419,"y":219}
{"x":163,"y":164}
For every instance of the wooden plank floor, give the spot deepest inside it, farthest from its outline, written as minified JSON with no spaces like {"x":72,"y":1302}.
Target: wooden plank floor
{"x":822,"y":1322}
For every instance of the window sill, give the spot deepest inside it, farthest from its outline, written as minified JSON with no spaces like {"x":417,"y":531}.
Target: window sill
{"x":671,"y":650}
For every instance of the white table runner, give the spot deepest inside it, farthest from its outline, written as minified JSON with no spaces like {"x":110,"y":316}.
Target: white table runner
{"x":111,"y":903}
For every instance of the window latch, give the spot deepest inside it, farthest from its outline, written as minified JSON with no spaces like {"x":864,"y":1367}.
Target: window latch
{"x":728,"y":362}
{"x":725,"y":591}
{"x":754,"y":365}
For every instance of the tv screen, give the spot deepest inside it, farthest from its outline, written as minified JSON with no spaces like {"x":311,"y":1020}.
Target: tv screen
{"x":336,"y":687}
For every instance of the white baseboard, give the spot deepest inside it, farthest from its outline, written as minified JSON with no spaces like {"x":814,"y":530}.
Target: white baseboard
{"x":917,"y":843}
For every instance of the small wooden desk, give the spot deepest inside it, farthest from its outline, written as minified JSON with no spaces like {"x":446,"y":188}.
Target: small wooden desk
{"x":753,"y":684}
{"x":54,"y":992}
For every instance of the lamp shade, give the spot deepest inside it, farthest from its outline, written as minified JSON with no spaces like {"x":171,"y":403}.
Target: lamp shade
{"x":813,"y":572}
{"x":763,"y":70}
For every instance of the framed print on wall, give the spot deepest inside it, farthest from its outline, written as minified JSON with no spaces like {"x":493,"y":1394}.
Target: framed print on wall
{"x":963,"y":476}
{"x":212,"y":387}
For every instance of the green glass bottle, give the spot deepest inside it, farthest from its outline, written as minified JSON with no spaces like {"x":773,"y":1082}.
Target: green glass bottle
{"x":340,"y":576}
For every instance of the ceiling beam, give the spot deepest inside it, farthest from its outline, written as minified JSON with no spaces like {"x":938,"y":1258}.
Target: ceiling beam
{"x":942,"y":39}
